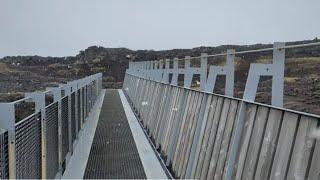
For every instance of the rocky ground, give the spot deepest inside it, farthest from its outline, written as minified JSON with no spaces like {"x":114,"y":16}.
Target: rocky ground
{"x":29,"y":73}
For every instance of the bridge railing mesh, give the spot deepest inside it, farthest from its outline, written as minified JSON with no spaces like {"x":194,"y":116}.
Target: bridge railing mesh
{"x":28,"y":147}
{"x":37,"y":148}
{"x":4,"y":155}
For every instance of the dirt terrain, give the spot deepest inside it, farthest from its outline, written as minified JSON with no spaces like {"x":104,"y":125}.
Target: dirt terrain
{"x":20,"y":74}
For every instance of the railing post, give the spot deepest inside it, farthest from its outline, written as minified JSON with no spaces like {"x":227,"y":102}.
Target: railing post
{"x":67,"y":90}
{"x":141,"y":69}
{"x":87,"y":96}
{"x":150,"y":71}
{"x":148,"y":67}
{"x":129,"y":70}
{"x":99,"y":82}
{"x":278,"y":76}
{"x":133,"y":67}
{"x":187,"y":73}
{"x":75,"y":89}
{"x":138,"y":68}
{"x":155,"y":71}
{"x":84,"y":100}
{"x":165,"y":77}
{"x":203,"y":71}
{"x":145,"y":66}
{"x":96,"y":90}
{"x":69,"y":118}
{"x":81,"y":104}
{"x":175,"y":72}
{"x":229,"y":89}
{"x":160,"y":71}
{"x":56,"y":92}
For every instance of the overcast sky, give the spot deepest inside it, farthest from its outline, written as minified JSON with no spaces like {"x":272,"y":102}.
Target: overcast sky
{"x":63,"y":27}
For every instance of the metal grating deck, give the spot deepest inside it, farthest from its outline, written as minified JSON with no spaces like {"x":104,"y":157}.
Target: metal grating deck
{"x":113,"y":153}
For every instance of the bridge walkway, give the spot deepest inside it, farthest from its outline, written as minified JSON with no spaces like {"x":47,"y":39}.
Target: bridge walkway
{"x":114,"y":153}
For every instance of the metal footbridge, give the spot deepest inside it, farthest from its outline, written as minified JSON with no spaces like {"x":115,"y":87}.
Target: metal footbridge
{"x":154,"y":129}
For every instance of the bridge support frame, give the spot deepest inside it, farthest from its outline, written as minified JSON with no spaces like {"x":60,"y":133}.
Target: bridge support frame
{"x":227,"y":70}
{"x":56,"y":92}
{"x":175,"y":72}
{"x":190,"y":71}
{"x":276,"y":70}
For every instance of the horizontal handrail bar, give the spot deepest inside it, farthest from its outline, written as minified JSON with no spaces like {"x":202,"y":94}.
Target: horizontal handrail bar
{"x":26,"y":118}
{"x":20,"y":100}
{"x":255,"y":50}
